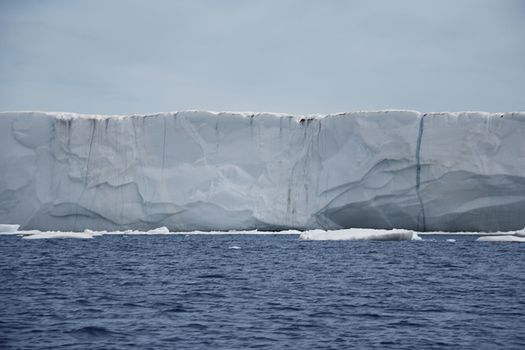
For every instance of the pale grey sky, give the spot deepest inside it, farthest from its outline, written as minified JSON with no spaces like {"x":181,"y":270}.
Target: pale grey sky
{"x":296,"y":56}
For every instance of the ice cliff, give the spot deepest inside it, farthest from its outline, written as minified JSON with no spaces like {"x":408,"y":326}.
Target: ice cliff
{"x":218,"y":171}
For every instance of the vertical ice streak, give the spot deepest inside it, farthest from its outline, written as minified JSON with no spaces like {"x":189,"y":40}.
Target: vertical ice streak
{"x":86,"y":175}
{"x":421,"y":215}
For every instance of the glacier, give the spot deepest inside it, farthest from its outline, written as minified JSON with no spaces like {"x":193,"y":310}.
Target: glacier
{"x":198,"y":170}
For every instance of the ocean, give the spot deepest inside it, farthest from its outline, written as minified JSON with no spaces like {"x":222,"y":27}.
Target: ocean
{"x":260,"y":291}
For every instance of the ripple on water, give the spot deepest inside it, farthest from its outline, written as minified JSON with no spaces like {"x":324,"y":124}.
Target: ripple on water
{"x":212,"y":276}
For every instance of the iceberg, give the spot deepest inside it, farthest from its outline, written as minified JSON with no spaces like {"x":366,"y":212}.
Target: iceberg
{"x":221,"y":171}
{"x":359,"y":234}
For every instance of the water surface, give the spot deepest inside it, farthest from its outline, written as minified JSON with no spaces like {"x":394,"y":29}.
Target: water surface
{"x":275,"y":292}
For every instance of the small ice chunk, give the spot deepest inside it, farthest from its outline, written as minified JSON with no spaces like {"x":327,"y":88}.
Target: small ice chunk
{"x":520,"y":233}
{"x":59,"y":234}
{"x":360,"y":234}
{"x":502,"y":238}
{"x":450,"y":240}
{"x":159,"y":231}
{"x":234,"y":247}
{"x":9,"y":228}
{"x":94,"y":233}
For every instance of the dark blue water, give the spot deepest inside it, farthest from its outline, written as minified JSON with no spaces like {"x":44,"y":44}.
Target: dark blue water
{"x":151,"y":292}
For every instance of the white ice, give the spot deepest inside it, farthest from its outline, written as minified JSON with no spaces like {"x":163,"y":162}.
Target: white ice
{"x":205,"y":171}
{"x":502,"y":238}
{"x":474,"y":233}
{"x":157,"y":231}
{"x":359,"y":234}
{"x":36,"y":234}
{"x":8,"y":228}
{"x":344,"y":234}
{"x":58,"y":234}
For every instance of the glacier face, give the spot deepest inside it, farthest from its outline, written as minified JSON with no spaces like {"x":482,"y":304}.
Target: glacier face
{"x":198,"y":170}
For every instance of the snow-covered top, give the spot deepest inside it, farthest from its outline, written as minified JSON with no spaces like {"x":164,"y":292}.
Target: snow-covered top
{"x":196,"y":113}
{"x":298,"y":117}
{"x":72,"y":115}
{"x":189,"y":113}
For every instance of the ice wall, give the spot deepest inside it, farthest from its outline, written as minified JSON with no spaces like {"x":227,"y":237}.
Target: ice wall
{"x":219,"y":171}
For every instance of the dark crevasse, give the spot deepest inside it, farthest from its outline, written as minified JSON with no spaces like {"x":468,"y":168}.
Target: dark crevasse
{"x":421,"y":222}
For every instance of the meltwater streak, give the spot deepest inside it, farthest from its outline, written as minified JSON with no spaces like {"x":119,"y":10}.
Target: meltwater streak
{"x":197,"y":292}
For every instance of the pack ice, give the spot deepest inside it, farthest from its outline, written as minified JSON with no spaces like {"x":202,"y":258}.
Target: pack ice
{"x":199,"y":170}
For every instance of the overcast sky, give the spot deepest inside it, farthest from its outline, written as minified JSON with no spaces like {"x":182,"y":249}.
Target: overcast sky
{"x":292,"y":56}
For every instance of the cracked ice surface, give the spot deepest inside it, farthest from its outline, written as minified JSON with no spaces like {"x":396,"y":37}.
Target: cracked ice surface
{"x":223,"y":171}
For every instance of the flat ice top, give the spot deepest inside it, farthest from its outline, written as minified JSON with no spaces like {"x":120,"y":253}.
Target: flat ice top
{"x":72,"y":115}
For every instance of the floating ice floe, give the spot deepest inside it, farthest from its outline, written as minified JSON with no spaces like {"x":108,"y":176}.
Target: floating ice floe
{"x":157,"y":231}
{"x":502,"y":238}
{"x":240,"y":232}
{"x":36,"y":234}
{"x":87,"y":234}
{"x":58,"y":234}
{"x":234,"y":247}
{"x":359,"y":234}
{"x":520,"y":233}
{"x":165,"y":231}
{"x":8,"y":228}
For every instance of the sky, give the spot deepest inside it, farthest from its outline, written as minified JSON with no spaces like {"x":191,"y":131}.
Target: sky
{"x":291,"y":56}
